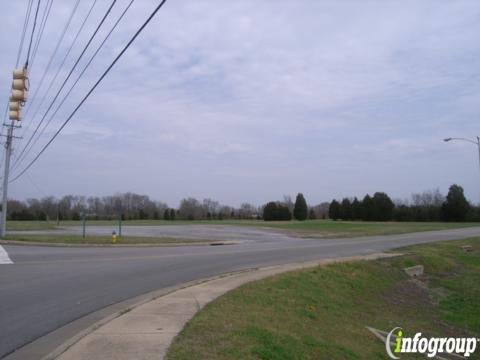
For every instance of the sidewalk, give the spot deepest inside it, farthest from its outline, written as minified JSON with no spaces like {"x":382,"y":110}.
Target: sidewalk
{"x":147,"y":331}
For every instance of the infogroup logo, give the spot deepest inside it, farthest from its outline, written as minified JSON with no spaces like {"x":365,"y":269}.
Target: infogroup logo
{"x":397,"y":343}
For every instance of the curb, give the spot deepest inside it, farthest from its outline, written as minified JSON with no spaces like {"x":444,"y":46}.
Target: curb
{"x":33,"y":243}
{"x":152,"y":296}
{"x":68,"y":349}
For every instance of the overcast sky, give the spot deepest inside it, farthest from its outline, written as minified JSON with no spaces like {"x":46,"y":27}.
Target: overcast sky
{"x":245,"y":101}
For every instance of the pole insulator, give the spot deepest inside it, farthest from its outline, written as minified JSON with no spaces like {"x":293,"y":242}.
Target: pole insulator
{"x":19,"y":95}
{"x":20,"y":73}
{"x":14,"y":106}
{"x":15,"y":115}
{"x":20,"y":84}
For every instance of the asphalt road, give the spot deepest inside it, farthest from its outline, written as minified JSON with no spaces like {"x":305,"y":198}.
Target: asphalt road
{"x":48,"y":287}
{"x":209,"y":232}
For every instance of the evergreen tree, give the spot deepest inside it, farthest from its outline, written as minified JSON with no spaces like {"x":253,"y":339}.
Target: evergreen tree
{"x":356,"y":209}
{"x":367,"y":208}
{"x":283,"y":213}
{"x":142,"y":214}
{"x":346,"y":210}
{"x":456,"y":206}
{"x":274,"y":211}
{"x":382,"y":207}
{"x":334,"y":210}
{"x":269,"y":211}
{"x":172,"y":214}
{"x":300,"y":211}
{"x":312,"y":215}
{"x":166,"y":215}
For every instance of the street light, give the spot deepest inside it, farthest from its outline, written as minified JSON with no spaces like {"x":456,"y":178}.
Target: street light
{"x":476,"y":142}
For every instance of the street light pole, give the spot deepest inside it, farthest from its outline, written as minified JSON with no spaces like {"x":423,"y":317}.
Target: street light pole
{"x":473,"y":141}
{"x":478,"y":145}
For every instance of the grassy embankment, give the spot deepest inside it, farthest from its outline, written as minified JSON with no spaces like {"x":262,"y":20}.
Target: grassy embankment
{"x":322,"y":313}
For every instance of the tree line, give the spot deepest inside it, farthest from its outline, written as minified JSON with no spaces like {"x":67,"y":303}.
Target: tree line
{"x":426,"y":206}
{"x":128,"y":206}
{"x":74,"y":207}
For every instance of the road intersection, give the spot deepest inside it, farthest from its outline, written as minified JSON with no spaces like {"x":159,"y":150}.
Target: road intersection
{"x":48,"y":288}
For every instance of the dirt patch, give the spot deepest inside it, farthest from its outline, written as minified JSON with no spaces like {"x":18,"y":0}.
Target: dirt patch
{"x":416,"y":295}
{"x":411,"y":292}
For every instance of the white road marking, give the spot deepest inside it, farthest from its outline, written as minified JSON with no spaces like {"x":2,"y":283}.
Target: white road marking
{"x":4,"y":258}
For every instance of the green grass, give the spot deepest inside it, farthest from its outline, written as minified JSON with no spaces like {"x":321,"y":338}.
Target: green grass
{"x":321,"y":313}
{"x":309,"y":228}
{"x":30,"y":225}
{"x":328,"y":228}
{"x":99,"y":240}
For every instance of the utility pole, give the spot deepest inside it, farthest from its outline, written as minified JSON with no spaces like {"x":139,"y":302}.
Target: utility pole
{"x":17,"y":101}
{"x":8,"y":153}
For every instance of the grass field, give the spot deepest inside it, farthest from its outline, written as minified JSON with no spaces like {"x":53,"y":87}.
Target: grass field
{"x":100,"y":240}
{"x":322,"y":313}
{"x":309,"y":228}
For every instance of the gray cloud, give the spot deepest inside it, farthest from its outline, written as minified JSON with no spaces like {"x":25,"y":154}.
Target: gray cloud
{"x":251,"y":100}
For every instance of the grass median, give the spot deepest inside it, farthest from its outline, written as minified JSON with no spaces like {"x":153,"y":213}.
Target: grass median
{"x":102,"y":240}
{"x":322,"y":313}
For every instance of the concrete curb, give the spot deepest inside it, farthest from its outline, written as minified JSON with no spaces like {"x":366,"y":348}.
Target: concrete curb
{"x":33,"y":243}
{"x":146,"y":329}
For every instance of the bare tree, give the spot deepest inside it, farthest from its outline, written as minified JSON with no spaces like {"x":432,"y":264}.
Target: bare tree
{"x":428,"y":198}
{"x":191,"y":209}
{"x":211,"y":207}
{"x":247,"y":211}
{"x":287,"y":201}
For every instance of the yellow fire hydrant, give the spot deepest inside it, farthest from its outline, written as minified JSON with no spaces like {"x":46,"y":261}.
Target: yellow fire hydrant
{"x":114,"y":237}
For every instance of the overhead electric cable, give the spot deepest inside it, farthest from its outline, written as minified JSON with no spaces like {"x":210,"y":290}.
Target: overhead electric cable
{"x":37,"y":88}
{"x":24,"y":31}
{"x":68,"y":76}
{"x":59,"y":68}
{"x":20,"y":47}
{"x":46,"y":14}
{"x":159,"y":6}
{"x":25,"y":154}
{"x":19,"y":52}
{"x":33,"y":31}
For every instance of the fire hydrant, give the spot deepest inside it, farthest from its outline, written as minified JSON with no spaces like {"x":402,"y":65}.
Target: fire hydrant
{"x":114,"y":237}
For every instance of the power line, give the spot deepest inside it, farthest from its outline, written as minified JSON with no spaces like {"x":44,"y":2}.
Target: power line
{"x":38,"y":39}
{"x":19,"y":52}
{"x":35,"y":185}
{"x":159,"y":6}
{"x":19,"y":77}
{"x":25,"y":25}
{"x":20,"y":47}
{"x":59,"y":68}
{"x":34,"y":96}
{"x":32,"y":145}
{"x":33,"y":31}
{"x":68,"y":76}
